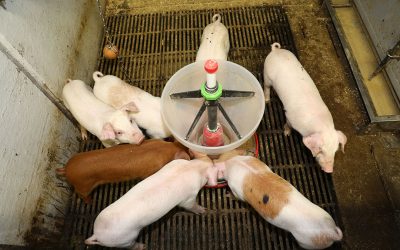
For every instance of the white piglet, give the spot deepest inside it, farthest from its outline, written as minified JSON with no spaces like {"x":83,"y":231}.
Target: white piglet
{"x":304,"y":108}
{"x":111,"y":126}
{"x":176,"y":184}
{"x":277,"y":201}
{"x":214,"y":41}
{"x":117,"y":93}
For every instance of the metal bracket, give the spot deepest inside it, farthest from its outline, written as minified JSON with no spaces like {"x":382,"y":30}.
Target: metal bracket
{"x":393,"y":53}
{"x":211,"y":104}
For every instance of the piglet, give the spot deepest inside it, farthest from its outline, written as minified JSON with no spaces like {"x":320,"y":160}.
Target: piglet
{"x":214,"y":41}
{"x":117,"y":93}
{"x":176,"y":184}
{"x":111,"y":126}
{"x":85,"y":171}
{"x":305,"y":110}
{"x":277,"y":201}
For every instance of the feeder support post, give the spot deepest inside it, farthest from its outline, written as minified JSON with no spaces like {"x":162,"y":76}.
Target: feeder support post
{"x":211,"y":90}
{"x":212,"y":109}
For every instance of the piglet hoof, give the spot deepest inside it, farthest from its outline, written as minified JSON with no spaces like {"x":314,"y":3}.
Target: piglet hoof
{"x":267,"y":94}
{"x":84,"y":134}
{"x":87,"y":199}
{"x":60,"y":171}
{"x":197,"y":209}
{"x":287,"y":130}
{"x":139,"y":246}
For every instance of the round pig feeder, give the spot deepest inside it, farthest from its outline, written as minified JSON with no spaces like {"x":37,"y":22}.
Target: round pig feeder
{"x":232,"y":96}
{"x":211,"y":91}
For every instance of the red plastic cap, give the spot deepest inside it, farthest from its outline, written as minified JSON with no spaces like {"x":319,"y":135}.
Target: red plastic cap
{"x":211,"y":66}
{"x":213,"y":139}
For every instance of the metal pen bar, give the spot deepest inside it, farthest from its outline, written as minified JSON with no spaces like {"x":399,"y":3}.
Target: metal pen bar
{"x":393,"y":53}
{"x":212,"y":109}
{"x":186,"y":94}
{"x":237,"y":93}
{"x":196,"y":120}
{"x":37,"y":79}
{"x":229,"y":120}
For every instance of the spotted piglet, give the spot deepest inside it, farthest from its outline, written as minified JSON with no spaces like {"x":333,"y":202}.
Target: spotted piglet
{"x":304,"y":108}
{"x":214,"y":41}
{"x":111,"y":126}
{"x":277,"y":201}
{"x":176,"y":184}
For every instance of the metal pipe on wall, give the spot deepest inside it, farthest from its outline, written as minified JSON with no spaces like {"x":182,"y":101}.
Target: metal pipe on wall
{"x":23,"y":65}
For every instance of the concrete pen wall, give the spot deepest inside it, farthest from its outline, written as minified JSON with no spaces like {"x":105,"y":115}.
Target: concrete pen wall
{"x":53,"y":40}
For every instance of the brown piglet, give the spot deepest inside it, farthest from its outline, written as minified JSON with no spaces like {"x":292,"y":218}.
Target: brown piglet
{"x":85,"y":171}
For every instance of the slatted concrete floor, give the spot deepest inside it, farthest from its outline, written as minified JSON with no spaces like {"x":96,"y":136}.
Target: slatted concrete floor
{"x":152,"y":48}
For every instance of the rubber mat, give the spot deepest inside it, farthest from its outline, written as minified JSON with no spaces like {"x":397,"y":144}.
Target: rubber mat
{"x":152,"y":48}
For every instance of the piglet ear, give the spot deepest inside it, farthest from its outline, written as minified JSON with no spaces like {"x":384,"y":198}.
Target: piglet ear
{"x":182,"y":155}
{"x":130,"y":107}
{"x":342,"y":139}
{"x":97,"y":75}
{"x":314,"y":143}
{"x":107,"y":133}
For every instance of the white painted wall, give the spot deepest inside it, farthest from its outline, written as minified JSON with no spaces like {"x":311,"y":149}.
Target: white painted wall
{"x":60,"y":39}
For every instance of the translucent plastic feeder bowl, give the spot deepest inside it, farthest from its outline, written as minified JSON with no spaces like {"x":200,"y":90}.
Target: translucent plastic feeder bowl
{"x":245,"y":112}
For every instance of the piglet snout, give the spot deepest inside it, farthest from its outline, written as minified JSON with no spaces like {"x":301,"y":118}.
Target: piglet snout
{"x":139,"y":138}
{"x":339,"y":234}
{"x":328,"y":169}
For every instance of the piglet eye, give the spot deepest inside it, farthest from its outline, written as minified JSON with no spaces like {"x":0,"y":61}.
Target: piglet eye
{"x":119,"y":133}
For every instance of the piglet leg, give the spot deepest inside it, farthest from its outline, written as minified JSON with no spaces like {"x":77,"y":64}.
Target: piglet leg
{"x":83,"y":133}
{"x":286,"y":129}
{"x":267,"y":94}
{"x":192,"y":206}
{"x":197,"y":209}
{"x":267,"y":87}
{"x":60,"y":171}
{"x":138,"y":246}
{"x":87,"y":199}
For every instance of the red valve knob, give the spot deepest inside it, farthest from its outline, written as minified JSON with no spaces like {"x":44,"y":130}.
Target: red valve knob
{"x":213,"y":139}
{"x":211,"y":66}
